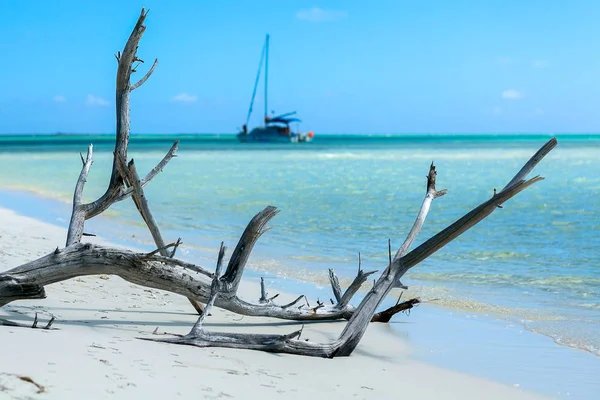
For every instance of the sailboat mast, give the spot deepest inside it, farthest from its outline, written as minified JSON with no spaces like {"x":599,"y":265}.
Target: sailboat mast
{"x":266,"y":76}
{"x":262,"y":57}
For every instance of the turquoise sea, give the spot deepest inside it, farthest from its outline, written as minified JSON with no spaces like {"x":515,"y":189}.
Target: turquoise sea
{"x":535,"y":262}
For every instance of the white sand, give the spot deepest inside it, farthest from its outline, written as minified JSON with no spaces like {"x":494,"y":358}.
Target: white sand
{"x":94,"y":353}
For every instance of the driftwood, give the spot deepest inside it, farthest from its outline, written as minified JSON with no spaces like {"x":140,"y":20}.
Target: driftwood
{"x":161,"y":270}
{"x":170,"y":274}
{"x":34,"y":325}
{"x":121,"y":174}
{"x":402,"y":262}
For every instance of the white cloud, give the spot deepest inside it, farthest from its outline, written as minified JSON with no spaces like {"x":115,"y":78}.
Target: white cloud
{"x":540,"y":63}
{"x":95,"y":101}
{"x":512,"y":94}
{"x":59,"y":99}
{"x":317,"y":14}
{"x":538,"y":111}
{"x":184,"y":98}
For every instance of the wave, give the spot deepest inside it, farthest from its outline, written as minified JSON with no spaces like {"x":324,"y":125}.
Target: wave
{"x":564,"y":327}
{"x":512,"y":279}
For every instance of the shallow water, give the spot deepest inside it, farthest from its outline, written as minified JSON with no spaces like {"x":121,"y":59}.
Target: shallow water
{"x":535,"y":262}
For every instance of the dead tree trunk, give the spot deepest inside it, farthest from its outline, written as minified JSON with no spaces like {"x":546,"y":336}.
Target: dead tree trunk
{"x":159,"y":269}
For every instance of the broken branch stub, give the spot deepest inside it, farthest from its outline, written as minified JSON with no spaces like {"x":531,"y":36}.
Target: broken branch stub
{"x":241,"y":253}
{"x":12,"y":289}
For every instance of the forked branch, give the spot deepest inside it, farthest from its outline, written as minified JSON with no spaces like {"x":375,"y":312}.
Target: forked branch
{"x":121,"y":173}
{"x":155,"y":171}
{"x":125,"y":59}
{"x":357,"y":325}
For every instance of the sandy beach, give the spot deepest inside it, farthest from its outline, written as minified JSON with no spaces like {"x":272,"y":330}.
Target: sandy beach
{"x":94,"y":353}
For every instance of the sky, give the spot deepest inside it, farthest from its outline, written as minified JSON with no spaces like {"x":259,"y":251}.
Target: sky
{"x":391,"y":66}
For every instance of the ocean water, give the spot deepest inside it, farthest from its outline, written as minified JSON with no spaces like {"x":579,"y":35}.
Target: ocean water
{"x":535,"y":262}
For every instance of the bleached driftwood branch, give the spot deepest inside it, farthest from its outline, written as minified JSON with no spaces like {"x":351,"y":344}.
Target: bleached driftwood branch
{"x":126,"y":193}
{"x":154,"y":271}
{"x":122,"y":173}
{"x":12,"y":289}
{"x":361,"y":277}
{"x":145,"y":78}
{"x":115,"y":191}
{"x":132,"y":179}
{"x":357,"y":325}
{"x":34,"y":325}
{"x":173,"y":275}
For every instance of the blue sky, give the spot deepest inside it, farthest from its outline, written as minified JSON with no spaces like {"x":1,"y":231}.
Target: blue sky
{"x":392,"y":66}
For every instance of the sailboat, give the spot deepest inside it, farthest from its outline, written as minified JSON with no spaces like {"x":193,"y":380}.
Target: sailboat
{"x":277,"y":128}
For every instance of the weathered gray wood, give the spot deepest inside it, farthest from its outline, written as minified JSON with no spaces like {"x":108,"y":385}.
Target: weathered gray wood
{"x":75,"y":230}
{"x":177,"y":243}
{"x":423,"y":211}
{"x":533,"y":161}
{"x":170,"y":274}
{"x":386,"y":315}
{"x":154,"y":271}
{"x":462,"y":225}
{"x":342,"y":301}
{"x":145,"y":78}
{"x":214,"y":291}
{"x":125,"y":60}
{"x":82,"y":212}
{"x":132,"y":179}
{"x":12,"y":289}
{"x":416,"y":228}
{"x":360,"y":278}
{"x":48,"y":325}
{"x":115,"y":191}
{"x":357,"y":325}
{"x":142,"y":205}
{"x":335,"y":285}
{"x":121,"y":172}
{"x":126,"y":193}
{"x":264,"y":295}
{"x":254,"y":230}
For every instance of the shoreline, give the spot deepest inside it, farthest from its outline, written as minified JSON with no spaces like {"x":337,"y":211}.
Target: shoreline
{"x":95,"y":341}
{"x":447,"y":298}
{"x":416,"y":335}
{"x":99,"y":318}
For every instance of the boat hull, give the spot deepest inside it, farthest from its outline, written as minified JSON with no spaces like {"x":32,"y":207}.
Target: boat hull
{"x":271,"y":135}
